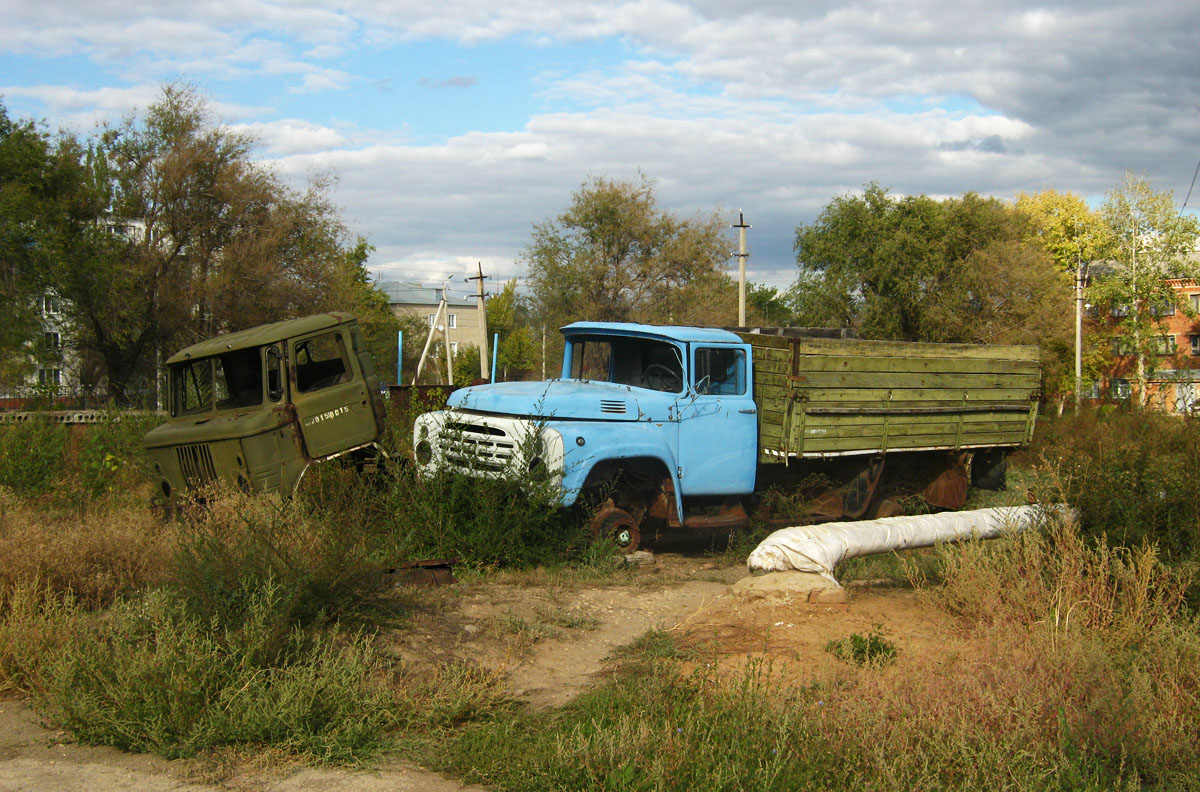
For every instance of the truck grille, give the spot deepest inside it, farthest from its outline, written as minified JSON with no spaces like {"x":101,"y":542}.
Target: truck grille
{"x":477,"y":446}
{"x":196,"y":463}
{"x":612,"y":406}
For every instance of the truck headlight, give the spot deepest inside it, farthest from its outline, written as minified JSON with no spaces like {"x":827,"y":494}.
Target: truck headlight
{"x":424,"y":452}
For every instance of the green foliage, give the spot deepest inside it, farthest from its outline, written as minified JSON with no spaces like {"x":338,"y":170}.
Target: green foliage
{"x":36,"y":623}
{"x":323,"y":556}
{"x":1150,"y":242}
{"x":919,"y":269}
{"x":178,"y":234}
{"x":466,"y":364}
{"x":32,"y":456}
{"x":766,"y":306}
{"x":39,"y":182}
{"x":43,"y":457}
{"x":508,"y":316}
{"x":614,"y":255}
{"x":1131,"y":474}
{"x":482,"y":522}
{"x":871,"y":649}
{"x":154,"y":677}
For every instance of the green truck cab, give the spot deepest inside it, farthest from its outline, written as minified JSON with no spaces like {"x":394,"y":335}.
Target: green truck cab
{"x":254,"y":409}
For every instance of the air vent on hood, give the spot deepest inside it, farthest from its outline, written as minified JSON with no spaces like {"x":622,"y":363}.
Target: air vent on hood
{"x":612,"y":406}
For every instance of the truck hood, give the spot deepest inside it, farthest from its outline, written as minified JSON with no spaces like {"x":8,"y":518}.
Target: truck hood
{"x":563,"y":399}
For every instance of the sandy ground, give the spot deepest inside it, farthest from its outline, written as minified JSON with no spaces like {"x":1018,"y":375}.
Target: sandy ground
{"x":548,"y":639}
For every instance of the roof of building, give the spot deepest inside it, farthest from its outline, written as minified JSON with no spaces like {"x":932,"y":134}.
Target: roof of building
{"x":704,"y":335}
{"x":399,"y":293}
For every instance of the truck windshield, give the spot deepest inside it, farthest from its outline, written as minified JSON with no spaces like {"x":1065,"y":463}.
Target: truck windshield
{"x":640,"y":362}
{"x":228,"y":381}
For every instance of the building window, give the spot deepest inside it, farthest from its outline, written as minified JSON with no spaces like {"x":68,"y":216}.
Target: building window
{"x":1164,"y":345}
{"x":452,"y":321}
{"x":49,"y":304}
{"x":1119,"y":311}
{"x":1163,"y":309}
{"x":53,"y":341}
{"x":1120,"y":388}
{"x":1121,"y":346}
{"x":453,"y":347}
{"x":1195,"y":302}
{"x":1195,"y":344}
{"x":1091,"y":390}
{"x":50,"y":377}
{"x":432,"y":316}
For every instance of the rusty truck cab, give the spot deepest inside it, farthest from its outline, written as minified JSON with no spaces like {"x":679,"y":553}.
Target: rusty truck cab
{"x":254,"y":409}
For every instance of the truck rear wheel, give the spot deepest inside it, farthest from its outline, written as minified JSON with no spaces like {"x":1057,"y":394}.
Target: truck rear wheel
{"x":618,"y":525}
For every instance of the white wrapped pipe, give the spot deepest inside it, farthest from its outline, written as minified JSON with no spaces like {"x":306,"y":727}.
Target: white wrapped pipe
{"x":820,"y":548}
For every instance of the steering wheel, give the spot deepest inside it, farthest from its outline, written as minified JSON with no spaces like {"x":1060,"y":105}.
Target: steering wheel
{"x":660,"y":377}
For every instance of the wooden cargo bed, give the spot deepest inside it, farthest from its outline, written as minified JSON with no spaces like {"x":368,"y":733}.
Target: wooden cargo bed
{"x":822,"y":397}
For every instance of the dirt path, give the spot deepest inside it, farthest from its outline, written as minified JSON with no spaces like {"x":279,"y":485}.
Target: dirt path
{"x":548,"y":641}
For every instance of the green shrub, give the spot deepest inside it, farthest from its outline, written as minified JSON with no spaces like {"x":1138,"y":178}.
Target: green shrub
{"x":871,"y":649}
{"x":36,"y":622}
{"x":1131,"y":474}
{"x":32,"y":456}
{"x":324,"y":562}
{"x":154,"y":677}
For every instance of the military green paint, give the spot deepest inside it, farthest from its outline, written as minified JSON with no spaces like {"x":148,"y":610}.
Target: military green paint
{"x":841,"y":396}
{"x":267,"y":447}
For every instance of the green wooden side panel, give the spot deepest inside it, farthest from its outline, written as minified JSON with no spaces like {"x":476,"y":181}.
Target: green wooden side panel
{"x":834,"y":396}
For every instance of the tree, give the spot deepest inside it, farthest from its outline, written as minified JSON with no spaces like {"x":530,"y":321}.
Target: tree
{"x":1075,"y":237}
{"x":920,"y":269}
{"x":1151,"y":242}
{"x":765,"y":305}
{"x":351,"y":289}
{"x":614,"y":255}
{"x":508,"y":317}
{"x":39,"y":182}
{"x":192,"y":238}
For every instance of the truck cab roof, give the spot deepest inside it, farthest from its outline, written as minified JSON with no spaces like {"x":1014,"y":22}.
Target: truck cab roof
{"x":259,"y":336}
{"x":702,"y":335}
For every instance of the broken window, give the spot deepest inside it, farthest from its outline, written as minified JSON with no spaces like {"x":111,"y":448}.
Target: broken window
{"x":192,"y":386}
{"x":239,"y":379}
{"x":321,"y":362}
{"x":643,"y":363}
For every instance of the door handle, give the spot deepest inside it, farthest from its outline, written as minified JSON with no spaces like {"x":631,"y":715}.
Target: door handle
{"x":750,"y":411}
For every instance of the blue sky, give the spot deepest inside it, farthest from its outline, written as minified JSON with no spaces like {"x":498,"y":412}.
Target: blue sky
{"x":453,"y":126}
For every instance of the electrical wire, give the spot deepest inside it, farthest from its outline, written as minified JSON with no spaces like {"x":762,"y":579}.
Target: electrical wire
{"x":1189,"y":192}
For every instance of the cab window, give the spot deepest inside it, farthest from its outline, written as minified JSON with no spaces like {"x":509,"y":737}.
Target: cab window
{"x":719,"y":371}
{"x":321,"y":362}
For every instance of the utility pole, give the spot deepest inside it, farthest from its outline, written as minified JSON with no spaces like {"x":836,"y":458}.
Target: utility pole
{"x":483,"y":339}
{"x":742,"y":255}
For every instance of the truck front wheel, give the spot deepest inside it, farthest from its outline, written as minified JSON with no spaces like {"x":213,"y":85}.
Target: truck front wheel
{"x":618,"y":525}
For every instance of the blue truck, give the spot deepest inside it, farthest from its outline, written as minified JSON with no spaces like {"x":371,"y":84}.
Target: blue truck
{"x":661,"y":427}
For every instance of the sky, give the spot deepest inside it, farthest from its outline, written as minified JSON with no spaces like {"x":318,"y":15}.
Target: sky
{"x":454,"y":126}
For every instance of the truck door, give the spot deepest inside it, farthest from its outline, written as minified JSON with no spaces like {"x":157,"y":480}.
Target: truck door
{"x":718,"y":423}
{"x":329,"y":393}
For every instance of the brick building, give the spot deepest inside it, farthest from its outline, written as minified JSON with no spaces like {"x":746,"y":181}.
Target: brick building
{"x":1174,"y":386}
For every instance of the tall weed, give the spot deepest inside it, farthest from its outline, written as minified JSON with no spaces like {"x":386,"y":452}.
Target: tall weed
{"x":36,"y":623}
{"x":154,"y":677}
{"x":97,"y":552}
{"x":323,"y":563}
{"x":1131,"y":474}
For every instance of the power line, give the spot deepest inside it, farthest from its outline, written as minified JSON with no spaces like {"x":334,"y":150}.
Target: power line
{"x":1189,"y":192}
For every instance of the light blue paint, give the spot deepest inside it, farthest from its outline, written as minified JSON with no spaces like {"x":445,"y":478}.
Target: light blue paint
{"x":495,"y":353}
{"x":399,"y":357}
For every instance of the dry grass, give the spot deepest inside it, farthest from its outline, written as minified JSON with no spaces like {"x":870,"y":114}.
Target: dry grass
{"x":97,"y":553}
